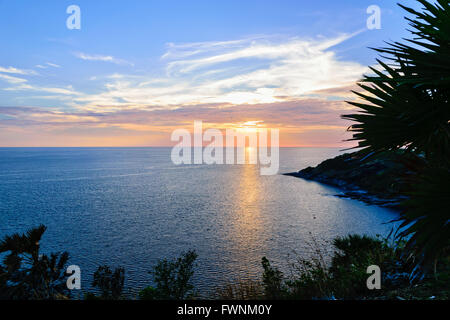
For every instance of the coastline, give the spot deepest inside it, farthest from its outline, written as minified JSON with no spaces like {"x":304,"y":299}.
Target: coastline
{"x":373,"y":180}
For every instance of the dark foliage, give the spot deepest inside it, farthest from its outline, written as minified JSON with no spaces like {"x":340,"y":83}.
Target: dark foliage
{"x":28,"y":275}
{"x":109,"y":283}
{"x":272,"y":281}
{"x":173,"y":279}
{"x":406,"y":106}
{"x":345,"y":276}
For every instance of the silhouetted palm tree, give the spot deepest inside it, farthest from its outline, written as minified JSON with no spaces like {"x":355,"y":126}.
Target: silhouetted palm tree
{"x":406,"y":108}
{"x":26,"y":274}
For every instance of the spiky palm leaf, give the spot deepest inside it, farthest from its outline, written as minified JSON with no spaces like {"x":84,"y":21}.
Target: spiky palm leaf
{"x":406,"y":106}
{"x":409,"y":101}
{"x":400,"y":115}
{"x":26,"y":274}
{"x":20,"y":243}
{"x":427,"y":218}
{"x":429,"y":68}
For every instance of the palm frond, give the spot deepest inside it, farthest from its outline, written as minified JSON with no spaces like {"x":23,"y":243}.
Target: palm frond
{"x":405,"y":105}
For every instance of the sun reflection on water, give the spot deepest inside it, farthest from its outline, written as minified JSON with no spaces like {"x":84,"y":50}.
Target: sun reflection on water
{"x":246,"y":221}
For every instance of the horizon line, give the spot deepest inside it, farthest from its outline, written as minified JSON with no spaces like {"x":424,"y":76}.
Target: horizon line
{"x":92,"y":147}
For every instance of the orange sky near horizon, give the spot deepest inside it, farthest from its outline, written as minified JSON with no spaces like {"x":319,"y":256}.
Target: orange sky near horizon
{"x":311,"y":122}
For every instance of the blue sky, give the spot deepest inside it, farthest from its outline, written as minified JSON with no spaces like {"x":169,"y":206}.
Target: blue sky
{"x":158,"y":59}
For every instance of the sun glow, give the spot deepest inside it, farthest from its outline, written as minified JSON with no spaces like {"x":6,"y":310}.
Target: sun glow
{"x":252,"y":126}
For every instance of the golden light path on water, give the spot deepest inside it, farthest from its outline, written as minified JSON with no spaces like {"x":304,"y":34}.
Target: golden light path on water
{"x":247,"y":221}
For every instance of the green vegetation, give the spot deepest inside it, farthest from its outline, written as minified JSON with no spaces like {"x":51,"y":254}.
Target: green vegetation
{"x":26,"y":273}
{"x":405,"y":106}
{"x":344,"y":276}
{"x":173,"y":279}
{"x":109,"y":283}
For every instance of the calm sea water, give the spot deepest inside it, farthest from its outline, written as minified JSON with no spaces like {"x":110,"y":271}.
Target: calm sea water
{"x":132,"y":206}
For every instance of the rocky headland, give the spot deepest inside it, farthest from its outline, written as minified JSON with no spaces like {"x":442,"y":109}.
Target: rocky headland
{"x":374,"y":179}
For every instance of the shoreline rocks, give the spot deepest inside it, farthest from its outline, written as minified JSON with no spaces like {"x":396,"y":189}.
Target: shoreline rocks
{"x":373,"y":179}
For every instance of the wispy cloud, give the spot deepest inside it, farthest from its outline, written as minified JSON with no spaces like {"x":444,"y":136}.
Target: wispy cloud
{"x":48,"y":64}
{"x":255,"y":70}
{"x":11,"y":79}
{"x":13,"y":70}
{"x":263,"y":69}
{"x":56,"y":90}
{"x":104,"y":58}
{"x":54,"y":65}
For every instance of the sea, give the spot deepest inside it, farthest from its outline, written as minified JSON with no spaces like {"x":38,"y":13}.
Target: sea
{"x":130,"y":207}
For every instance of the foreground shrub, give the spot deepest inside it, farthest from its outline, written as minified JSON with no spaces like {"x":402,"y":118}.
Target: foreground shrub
{"x":26,"y":274}
{"x":173,"y":279}
{"x":274,"y":287}
{"x":349,"y":263}
{"x":108,"y":282}
{"x":344,"y":277}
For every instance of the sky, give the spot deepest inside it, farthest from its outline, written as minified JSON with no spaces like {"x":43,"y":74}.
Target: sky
{"x":137,"y":70}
